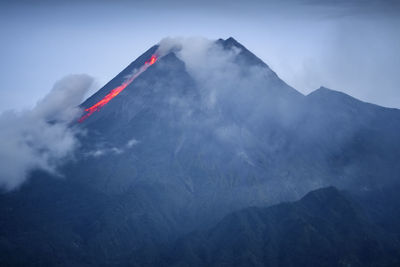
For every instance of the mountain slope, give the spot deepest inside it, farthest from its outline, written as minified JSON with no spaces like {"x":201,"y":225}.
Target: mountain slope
{"x":190,"y":140}
{"x":324,"y":228}
{"x":264,"y":130}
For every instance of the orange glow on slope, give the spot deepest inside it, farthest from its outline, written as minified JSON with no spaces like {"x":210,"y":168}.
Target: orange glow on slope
{"x":114,"y":92}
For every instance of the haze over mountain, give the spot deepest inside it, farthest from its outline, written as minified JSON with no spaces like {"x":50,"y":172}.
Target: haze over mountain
{"x":207,"y":130}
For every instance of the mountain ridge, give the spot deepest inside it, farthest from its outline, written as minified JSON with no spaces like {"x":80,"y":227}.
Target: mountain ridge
{"x":284,"y":235}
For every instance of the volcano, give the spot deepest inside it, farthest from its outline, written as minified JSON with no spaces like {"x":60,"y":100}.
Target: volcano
{"x":175,"y":143}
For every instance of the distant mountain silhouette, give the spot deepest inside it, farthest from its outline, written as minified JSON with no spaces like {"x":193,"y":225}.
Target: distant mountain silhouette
{"x":324,"y":228}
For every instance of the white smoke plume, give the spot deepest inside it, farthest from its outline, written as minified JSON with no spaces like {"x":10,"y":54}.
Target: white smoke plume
{"x":224,"y":82}
{"x":103,"y":150}
{"x":41,"y":137}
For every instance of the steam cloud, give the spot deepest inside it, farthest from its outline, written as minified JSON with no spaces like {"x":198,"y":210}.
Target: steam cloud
{"x":225,"y":85}
{"x":233,"y":102}
{"x":41,"y":137}
{"x":112,"y":150}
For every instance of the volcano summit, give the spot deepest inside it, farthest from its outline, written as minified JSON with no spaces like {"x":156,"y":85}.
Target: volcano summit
{"x":184,"y":143}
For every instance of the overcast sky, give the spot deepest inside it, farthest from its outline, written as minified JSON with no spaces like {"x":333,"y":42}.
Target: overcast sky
{"x":349,"y":46}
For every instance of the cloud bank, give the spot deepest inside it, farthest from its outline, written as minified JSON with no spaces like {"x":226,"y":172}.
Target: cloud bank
{"x":40,"y":138}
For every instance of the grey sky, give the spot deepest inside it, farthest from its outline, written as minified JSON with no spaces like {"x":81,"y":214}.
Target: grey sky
{"x":350,"y":46}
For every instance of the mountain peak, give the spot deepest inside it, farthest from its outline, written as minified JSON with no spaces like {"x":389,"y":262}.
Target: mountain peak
{"x":332,"y":97}
{"x":323,"y":90}
{"x":231,"y":39}
{"x":232,"y":42}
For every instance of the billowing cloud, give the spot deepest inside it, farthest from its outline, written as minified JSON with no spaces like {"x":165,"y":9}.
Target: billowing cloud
{"x":223,"y":81}
{"x":39,"y":138}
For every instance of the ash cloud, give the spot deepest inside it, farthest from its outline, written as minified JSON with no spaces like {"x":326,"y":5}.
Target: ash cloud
{"x":246,"y":111}
{"x":42,"y":137}
{"x":233,"y":98}
{"x":224,"y":84}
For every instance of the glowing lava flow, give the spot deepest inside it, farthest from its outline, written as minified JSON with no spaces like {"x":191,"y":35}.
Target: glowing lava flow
{"x":114,"y":92}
